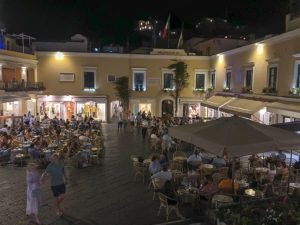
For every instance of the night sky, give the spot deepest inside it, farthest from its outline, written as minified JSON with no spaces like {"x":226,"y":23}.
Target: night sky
{"x":113,"y":21}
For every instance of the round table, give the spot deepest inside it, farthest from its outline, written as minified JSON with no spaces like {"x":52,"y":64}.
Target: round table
{"x":221,"y":199}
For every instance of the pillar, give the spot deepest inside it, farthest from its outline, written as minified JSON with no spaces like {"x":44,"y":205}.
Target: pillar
{"x":1,"y":75}
{"x":35,"y":75}
{"x":24,"y":73}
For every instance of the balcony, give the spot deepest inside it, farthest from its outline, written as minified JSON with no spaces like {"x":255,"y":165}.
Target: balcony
{"x":22,"y":86}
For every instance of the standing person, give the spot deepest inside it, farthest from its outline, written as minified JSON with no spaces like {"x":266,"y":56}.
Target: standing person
{"x":33,"y":192}
{"x":120,"y":122}
{"x":58,"y":179}
{"x":145,"y":125}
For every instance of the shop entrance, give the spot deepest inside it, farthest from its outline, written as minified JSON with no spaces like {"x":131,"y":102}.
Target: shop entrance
{"x":167,"y":108}
{"x":115,"y":109}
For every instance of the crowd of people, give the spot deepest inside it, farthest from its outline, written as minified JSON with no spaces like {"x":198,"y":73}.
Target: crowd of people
{"x":45,"y":143}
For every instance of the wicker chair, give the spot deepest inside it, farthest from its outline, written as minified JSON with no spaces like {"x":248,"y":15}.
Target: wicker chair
{"x":163,"y":201}
{"x":158,"y":185}
{"x":140,"y":169}
{"x":179,"y":154}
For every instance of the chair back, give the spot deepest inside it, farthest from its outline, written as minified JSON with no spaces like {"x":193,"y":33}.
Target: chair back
{"x":158,"y":183}
{"x":163,"y":199}
{"x":217,"y":177}
{"x":179,"y":154}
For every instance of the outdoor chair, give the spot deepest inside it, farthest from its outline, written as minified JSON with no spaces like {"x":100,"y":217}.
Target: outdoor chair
{"x":217,"y":177}
{"x":223,"y":171}
{"x":179,"y":154}
{"x":297,"y":175}
{"x":163,"y":201}
{"x":140,"y":169}
{"x":157,"y":184}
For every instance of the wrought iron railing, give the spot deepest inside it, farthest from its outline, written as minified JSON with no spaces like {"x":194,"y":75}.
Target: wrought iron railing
{"x":22,"y":86}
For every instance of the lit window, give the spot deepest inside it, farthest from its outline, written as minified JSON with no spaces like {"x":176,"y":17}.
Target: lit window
{"x":272,"y":78}
{"x":213,"y":79}
{"x":228,"y":80}
{"x":139,"y":80}
{"x":168,"y":81}
{"x":89,"y":79}
{"x":200,"y":81}
{"x":249,"y":78}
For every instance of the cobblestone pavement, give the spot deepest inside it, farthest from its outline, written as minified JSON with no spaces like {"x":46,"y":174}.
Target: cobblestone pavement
{"x":106,"y":194}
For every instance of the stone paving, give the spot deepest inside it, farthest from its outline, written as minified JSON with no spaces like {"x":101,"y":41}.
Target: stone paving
{"x":106,"y":194}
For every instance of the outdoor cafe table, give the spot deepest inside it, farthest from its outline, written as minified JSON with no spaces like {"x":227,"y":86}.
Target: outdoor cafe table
{"x":262,"y":170}
{"x":180,"y":158}
{"x":15,"y":152}
{"x":187,"y":194}
{"x":221,"y":199}
{"x":295,"y":187}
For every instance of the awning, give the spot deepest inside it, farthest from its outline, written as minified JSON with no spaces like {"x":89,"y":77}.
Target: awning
{"x":216,"y":101}
{"x":13,"y":98}
{"x":243,"y":107}
{"x":285,"y":109}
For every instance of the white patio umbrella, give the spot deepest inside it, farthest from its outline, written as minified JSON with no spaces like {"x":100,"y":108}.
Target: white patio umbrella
{"x":237,"y":135}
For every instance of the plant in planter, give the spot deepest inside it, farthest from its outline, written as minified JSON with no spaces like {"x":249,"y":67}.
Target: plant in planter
{"x":269,"y":90}
{"x":199,"y":91}
{"x":210,"y":89}
{"x":247,"y":90}
{"x":226,"y":89}
{"x":294,"y":91}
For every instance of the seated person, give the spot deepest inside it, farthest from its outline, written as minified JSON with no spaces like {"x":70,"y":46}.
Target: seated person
{"x":163,"y":174}
{"x":163,"y":159}
{"x":226,"y":184}
{"x":297,"y":164}
{"x":154,"y":166}
{"x":268,"y":189}
{"x":282,"y":169}
{"x":209,"y":187}
{"x":272,"y":172}
{"x":194,"y":159}
{"x":281,"y":156}
{"x":4,"y":140}
{"x":219,"y":161}
{"x":255,"y":161}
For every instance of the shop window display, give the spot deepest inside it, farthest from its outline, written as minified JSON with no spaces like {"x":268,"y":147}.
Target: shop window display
{"x":52,"y":109}
{"x":95,"y":110}
{"x":191,"y":110}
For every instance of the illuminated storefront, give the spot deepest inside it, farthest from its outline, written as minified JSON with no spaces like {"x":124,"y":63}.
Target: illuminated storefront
{"x":191,"y":110}
{"x":66,"y":106}
{"x":11,"y":108}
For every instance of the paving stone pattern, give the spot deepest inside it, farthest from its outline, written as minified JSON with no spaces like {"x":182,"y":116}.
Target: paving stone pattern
{"x":106,"y":194}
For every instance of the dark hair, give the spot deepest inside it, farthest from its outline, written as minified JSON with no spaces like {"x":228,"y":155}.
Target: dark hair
{"x":154,"y":158}
{"x":208,"y":177}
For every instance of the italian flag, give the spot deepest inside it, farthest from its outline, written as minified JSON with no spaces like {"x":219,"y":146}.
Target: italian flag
{"x":166,"y":28}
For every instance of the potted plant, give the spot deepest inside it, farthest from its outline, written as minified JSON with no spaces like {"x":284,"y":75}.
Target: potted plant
{"x":247,"y":90}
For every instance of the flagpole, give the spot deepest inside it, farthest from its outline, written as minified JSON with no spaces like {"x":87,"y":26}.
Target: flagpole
{"x":168,"y":38}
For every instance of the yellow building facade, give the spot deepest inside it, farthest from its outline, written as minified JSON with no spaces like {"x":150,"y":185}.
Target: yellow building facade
{"x":260,"y":81}
{"x":146,"y":78}
{"x":18,"y":86}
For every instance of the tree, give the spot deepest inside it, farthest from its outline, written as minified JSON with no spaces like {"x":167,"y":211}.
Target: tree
{"x":180,"y":80}
{"x":123,"y":92}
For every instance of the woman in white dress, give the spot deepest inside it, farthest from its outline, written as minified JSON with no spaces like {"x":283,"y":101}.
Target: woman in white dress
{"x":33,"y":192}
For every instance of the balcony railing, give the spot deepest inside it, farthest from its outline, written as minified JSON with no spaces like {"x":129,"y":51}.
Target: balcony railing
{"x":22,"y":86}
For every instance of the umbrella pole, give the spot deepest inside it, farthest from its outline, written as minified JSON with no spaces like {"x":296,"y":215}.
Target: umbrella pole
{"x":288,"y":184}
{"x":233,"y":175}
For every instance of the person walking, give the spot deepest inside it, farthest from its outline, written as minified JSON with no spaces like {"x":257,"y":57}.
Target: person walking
{"x":58,"y":180}
{"x":33,"y":192}
{"x":145,"y":125}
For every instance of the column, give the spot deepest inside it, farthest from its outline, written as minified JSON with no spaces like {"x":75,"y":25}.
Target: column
{"x":24,"y":73}
{"x":35,"y":75}
{"x":1,"y":75}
